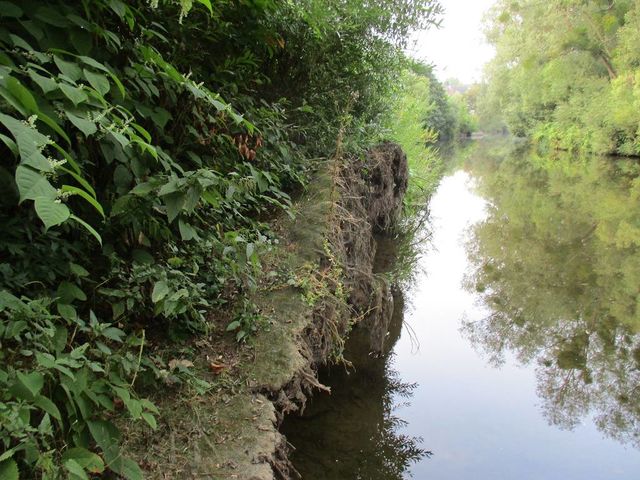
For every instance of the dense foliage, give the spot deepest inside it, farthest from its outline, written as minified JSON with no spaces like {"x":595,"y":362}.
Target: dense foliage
{"x":555,"y":264}
{"x":567,"y":72}
{"x":142,"y":141}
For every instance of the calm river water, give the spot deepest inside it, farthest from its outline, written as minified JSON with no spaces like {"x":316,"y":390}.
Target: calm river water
{"x":517,"y":354}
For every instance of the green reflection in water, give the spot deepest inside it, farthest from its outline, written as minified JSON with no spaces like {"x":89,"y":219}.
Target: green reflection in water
{"x":557,"y":264}
{"x":353,"y":433}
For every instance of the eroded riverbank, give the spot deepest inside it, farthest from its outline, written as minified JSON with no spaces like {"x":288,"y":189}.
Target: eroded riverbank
{"x":526,"y":364}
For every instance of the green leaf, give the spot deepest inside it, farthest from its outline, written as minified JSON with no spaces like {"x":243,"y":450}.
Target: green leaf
{"x":10,"y":143}
{"x":119,"y":84}
{"x":88,"y":460}
{"x":150,"y":419}
{"x":10,"y":10}
{"x":75,"y":94}
{"x":75,"y":469}
{"x":142,"y":257}
{"x":187,"y":232}
{"x":9,"y":470}
{"x":68,"y":312}
{"x":174,"y":203}
{"x":48,"y":406}
{"x":32,"y":185}
{"x":88,"y":227}
{"x":22,"y":94}
{"x":54,"y":126}
{"x":127,"y":468}
{"x":30,"y":143}
{"x":114,"y":334}
{"x":77,"y":191}
{"x":160,"y":291}
{"x":69,"y":69}
{"x":33,"y":382}
{"x":8,"y":454}
{"x":107,"y":437}
{"x":68,"y":292}
{"x":98,"y":81}
{"x":51,"y":212}
{"x":233,"y":326}
{"x":143,"y":189}
{"x":46,"y":84}
{"x":85,"y":126}
{"x":207,"y":3}
{"x":78,"y":270}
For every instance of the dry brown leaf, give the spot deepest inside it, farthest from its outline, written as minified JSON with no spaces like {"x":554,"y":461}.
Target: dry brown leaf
{"x":217,"y":368}
{"x":173,"y":364}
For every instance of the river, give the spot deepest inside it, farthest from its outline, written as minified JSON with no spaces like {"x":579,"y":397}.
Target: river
{"x":516,"y":354}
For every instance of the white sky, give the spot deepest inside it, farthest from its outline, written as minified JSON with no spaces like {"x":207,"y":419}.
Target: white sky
{"x":458,"y":48}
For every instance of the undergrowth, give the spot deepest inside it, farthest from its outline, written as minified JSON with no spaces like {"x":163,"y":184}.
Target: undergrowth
{"x":144,"y":146}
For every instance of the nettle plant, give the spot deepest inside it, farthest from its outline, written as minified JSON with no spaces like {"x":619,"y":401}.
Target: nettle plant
{"x":130,"y":193}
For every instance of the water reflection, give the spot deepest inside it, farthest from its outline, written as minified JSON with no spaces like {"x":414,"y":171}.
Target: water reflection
{"x":354,"y":433}
{"x":557,"y":263}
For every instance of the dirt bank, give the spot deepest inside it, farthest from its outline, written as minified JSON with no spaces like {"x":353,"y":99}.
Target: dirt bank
{"x":318,"y":283}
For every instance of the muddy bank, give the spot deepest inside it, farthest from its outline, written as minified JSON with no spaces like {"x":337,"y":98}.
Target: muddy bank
{"x":324,"y":283}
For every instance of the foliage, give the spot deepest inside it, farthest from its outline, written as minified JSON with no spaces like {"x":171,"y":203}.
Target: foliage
{"x":142,"y":143}
{"x":413,"y":107}
{"x":566,"y":73}
{"x":555,"y":262}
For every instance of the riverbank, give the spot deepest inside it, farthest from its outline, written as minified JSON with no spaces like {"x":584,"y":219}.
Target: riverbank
{"x":317,"y":282}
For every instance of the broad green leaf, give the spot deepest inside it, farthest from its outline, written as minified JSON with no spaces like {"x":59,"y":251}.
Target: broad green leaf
{"x":98,"y":81}
{"x":76,"y":472}
{"x":30,"y":143}
{"x":187,"y":232}
{"x":68,"y":292}
{"x":207,"y":3}
{"x":51,"y":211}
{"x":114,"y":334}
{"x":107,"y":436}
{"x":75,"y":94}
{"x":127,"y":468}
{"x":160,"y":291}
{"x":143,"y":189}
{"x":233,"y":326}
{"x":77,"y":191}
{"x":46,"y":360}
{"x":22,"y":94}
{"x":69,"y":69}
{"x":10,"y":10}
{"x":9,"y":470}
{"x":32,"y":185}
{"x":78,"y":270}
{"x":142,"y":257}
{"x":88,"y":460}
{"x":93,"y":63}
{"x":46,"y":84}
{"x":68,"y":312}
{"x":84,"y":125}
{"x":48,"y":406}
{"x":174,"y":203}
{"x":150,"y":419}
{"x":33,"y":381}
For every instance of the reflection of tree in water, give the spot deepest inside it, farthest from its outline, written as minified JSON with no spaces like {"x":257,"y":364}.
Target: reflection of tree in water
{"x":557,"y":263}
{"x":353,"y":433}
